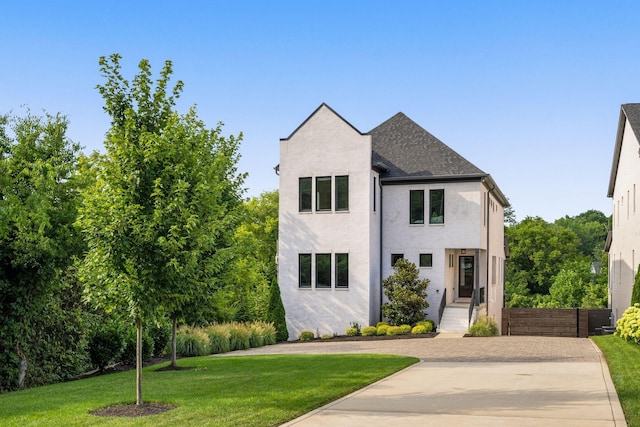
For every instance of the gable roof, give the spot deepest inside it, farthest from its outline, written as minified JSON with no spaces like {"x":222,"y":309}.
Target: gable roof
{"x":409,"y":151}
{"x":323,"y":105}
{"x":630,"y":112}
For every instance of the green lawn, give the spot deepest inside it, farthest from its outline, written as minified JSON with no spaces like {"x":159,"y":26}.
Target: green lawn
{"x":220,"y":391}
{"x":623,"y":359}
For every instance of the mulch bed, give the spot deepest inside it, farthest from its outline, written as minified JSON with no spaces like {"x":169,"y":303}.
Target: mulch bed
{"x":133,"y":410}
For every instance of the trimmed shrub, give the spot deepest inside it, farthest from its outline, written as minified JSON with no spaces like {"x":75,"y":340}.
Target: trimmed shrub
{"x":161,"y":335}
{"x":629,"y":324}
{"x":256,"y":338}
{"x":382,"y":330}
{"x":405,"y":329}
{"x":394,"y":330}
{"x":191,"y":342}
{"x":275,"y":313}
{"x":635,"y":292}
{"x":239,"y":336}
{"x":269,"y":333}
{"x":381,"y":323}
{"x":306,"y":336}
{"x":128,"y":356}
{"x":105,"y":345}
{"x":352,"y":332}
{"x":429,"y":325}
{"x":326,"y":336}
{"x":369,"y":331}
{"x":218,"y":339}
{"x":418,"y":329}
{"x":484,"y":327}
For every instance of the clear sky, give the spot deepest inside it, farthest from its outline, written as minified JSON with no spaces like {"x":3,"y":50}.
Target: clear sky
{"x":528,"y":91}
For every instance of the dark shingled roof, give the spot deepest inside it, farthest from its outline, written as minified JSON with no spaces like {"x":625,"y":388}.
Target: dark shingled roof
{"x":411,"y":152}
{"x":632,"y":111}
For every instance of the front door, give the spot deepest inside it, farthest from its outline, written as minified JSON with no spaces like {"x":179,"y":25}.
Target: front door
{"x":467,"y":276}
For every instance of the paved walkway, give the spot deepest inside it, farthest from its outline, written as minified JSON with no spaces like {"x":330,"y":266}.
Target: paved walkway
{"x":498,"y":381}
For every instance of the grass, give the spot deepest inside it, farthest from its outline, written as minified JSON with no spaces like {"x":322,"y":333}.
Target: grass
{"x":220,"y":391}
{"x":623,"y":359}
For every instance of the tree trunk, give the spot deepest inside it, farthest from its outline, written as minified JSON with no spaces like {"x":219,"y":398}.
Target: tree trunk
{"x":173,"y":343}
{"x":139,"y":362}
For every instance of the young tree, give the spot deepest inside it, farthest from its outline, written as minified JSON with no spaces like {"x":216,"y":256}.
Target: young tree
{"x":41,"y":330}
{"x":407,"y":294}
{"x":635,"y":293}
{"x":156,"y":219}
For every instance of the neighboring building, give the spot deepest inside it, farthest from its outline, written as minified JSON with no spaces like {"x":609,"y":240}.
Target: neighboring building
{"x":623,"y":242}
{"x":351,"y":203}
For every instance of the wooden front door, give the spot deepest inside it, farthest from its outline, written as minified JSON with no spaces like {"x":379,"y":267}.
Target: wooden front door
{"x":466,"y":277}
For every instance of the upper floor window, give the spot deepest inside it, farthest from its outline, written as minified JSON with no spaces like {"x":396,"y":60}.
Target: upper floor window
{"x":342,"y":193}
{"x":304,"y":195}
{"x":395,"y":258}
{"x":436,"y":206}
{"x":323,"y":193}
{"x":416,"y":206}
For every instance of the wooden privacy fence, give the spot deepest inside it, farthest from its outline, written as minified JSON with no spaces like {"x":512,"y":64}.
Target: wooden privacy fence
{"x":553,"y":322}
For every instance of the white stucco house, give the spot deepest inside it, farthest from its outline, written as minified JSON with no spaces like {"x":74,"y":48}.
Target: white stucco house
{"x":352,"y":203}
{"x":623,"y":241}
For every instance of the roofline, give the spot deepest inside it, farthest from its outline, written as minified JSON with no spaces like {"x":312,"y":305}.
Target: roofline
{"x":312,"y":114}
{"x":622,"y":120}
{"x":484,"y":178}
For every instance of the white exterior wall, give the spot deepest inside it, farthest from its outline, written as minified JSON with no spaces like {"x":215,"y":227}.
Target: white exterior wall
{"x":624,"y":253}
{"x":495,"y":287}
{"x":326,"y":145}
{"x":462,"y":230}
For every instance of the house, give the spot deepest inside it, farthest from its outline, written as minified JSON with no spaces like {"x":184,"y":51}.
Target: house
{"x":352,"y":203}
{"x":623,"y":241}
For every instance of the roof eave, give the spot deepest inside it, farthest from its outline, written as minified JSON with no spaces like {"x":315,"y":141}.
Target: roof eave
{"x":616,"y":152}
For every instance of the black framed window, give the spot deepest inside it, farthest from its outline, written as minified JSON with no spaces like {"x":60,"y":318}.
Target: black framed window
{"x":342,"y":270}
{"x":436,"y":206}
{"x":323,"y":270}
{"x":426,"y":260}
{"x":395,"y":258}
{"x":323,"y":193}
{"x":342,"y":193}
{"x":374,"y":193}
{"x":304,"y":270}
{"x":304,"y":195}
{"x":416,"y":206}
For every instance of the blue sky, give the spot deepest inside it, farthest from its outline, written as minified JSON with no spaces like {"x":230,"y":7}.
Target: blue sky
{"x":529,"y":92}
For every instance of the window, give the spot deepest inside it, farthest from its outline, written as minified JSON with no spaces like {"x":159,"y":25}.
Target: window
{"x":395,"y":258}
{"x":374,"y":193}
{"x":304,"y":270}
{"x":436,"y":203}
{"x":342,"y":270}
{"x":342,"y":193}
{"x":323,"y":193}
{"x":426,"y":260}
{"x":323,"y":270}
{"x":493,"y":270}
{"x":304,"y":195}
{"x":416,"y":207}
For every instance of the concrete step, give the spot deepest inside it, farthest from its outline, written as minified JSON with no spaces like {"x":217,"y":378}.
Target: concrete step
{"x":454,"y":319}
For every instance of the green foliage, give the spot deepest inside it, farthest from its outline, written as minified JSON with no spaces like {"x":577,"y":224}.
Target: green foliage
{"x":405,"y":329}
{"x":161,"y":335}
{"x":191,"y":342}
{"x":635,"y":293}
{"x":306,"y":336}
{"x":256,"y":337}
{"x":381,"y":323}
{"x":128,"y":355}
{"x":356,"y":325}
{"x":42,"y":321}
{"x":418,"y":329}
{"x":369,"y":331}
{"x":428,"y":324}
{"x":106,"y":344}
{"x":239,"y":336}
{"x":218,"y":339}
{"x":407,"y":294}
{"x":484,"y":327}
{"x":382,"y":329}
{"x":352,"y":332}
{"x":276,"y":313}
{"x":394,"y":330}
{"x":628,"y":327}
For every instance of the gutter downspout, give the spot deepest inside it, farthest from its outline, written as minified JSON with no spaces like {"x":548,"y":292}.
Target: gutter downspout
{"x":380,"y":249}
{"x":488,"y":246}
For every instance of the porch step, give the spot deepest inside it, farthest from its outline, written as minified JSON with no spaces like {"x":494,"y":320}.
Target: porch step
{"x":455,"y":318}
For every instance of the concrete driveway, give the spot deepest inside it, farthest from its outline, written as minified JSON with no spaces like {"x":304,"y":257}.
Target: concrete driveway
{"x":498,"y":381}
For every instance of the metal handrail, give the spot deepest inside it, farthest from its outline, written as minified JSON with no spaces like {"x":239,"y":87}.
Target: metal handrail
{"x":443,"y":303}
{"x":471,"y":305}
